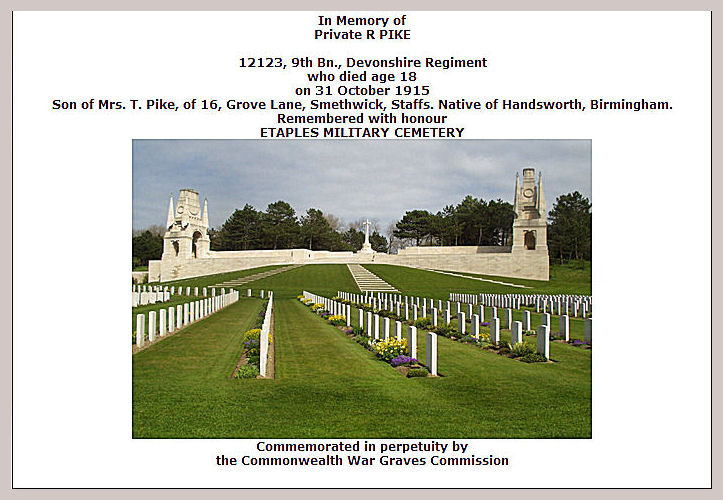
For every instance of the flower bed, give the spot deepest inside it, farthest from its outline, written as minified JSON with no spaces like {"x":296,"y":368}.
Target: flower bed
{"x":484,"y":341}
{"x":391,"y":351}
{"x":580,"y":343}
{"x":248,"y":365}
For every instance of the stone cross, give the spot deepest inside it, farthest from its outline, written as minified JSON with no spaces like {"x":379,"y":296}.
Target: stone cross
{"x":366,"y":235}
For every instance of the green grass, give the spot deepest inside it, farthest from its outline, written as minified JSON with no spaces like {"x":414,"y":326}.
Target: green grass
{"x":573,"y":278}
{"x":214,"y":279}
{"x":322,"y":279}
{"x":327,"y":386}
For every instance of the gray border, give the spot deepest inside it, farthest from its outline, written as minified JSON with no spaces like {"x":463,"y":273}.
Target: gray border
{"x":337,"y":5}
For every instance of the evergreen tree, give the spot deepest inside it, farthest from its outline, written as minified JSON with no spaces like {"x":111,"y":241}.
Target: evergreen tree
{"x":570,"y":227}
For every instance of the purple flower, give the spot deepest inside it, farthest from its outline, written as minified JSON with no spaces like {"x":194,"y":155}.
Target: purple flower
{"x":485,"y":324}
{"x":403,"y":360}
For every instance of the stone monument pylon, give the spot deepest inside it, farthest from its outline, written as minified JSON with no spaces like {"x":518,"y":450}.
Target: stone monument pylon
{"x":529,"y":230}
{"x":187,"y":228}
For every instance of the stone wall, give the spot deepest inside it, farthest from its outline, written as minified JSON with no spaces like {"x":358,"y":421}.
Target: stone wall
{"x":495,"y":261}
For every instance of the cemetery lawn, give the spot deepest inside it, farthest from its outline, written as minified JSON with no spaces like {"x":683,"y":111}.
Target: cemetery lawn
{"x":327,"y":386}
{"x":571,"y":278}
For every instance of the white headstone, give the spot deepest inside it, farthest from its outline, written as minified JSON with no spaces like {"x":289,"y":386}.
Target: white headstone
{"x":412,"y":341}
{"x":162,"y":323}
{"x":151,"y":326}
{"x":516,"y":332}
{"x":179,"y":316}
{"x":565,"y":327}
{"x":461,"y":323}
{"x":475,"y":326}
{"x":398,"y":330}
{"x":171,"y":320}
{"x":495,"y":331}
{"x":545,"y":319}
{"x":526,"y":322}
{"x":140,"y":329}
{"x":588,"y":331}
{"x":387,"y":328}
{"x":543,"y":341}
{"x":431,"y":353}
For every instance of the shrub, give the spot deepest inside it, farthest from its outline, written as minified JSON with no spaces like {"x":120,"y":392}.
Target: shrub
{"x":388,"y":349}
{"x":533,"y":358}
{"x":469,"y":338}
{"x":417,"y":372}
{"x":358,"y":331}
{"x":317,"y":307}
{"x":246,"y":371}
{"x":403,"y":361}
{"x":444,"y":330}
{"x":363,"y":340}
{"x":254,"y":360}
{"x":521,"y":349}
{"x":423,"y":323}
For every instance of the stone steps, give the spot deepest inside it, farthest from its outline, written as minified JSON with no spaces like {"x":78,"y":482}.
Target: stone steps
{"x":367,"y":281}
{"x":254,"y":277}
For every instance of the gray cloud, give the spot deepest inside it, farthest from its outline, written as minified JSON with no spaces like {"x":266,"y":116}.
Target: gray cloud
{"x":350,"y":179}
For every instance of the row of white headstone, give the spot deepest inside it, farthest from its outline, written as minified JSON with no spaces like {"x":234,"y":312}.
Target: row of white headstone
{"x":428,"y":309}
{"x":379,"y":327}
{"x":145,"y":298}
{"x":180,"y":316}
{"x":178,"y":290}
{"x":335,"y":308}
{"x":264,"y":337}
{"x":394,"y":304}
{"x":571,"y":305}
{"x":476,"y":321}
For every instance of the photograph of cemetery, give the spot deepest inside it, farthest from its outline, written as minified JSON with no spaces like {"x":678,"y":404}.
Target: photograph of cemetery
{"x":375,"y":289}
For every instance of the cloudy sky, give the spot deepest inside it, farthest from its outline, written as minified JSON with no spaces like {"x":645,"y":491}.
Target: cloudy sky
{"x":351,"y":179}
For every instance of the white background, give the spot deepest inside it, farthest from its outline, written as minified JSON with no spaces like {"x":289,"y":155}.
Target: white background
{"x":72,"y":213}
